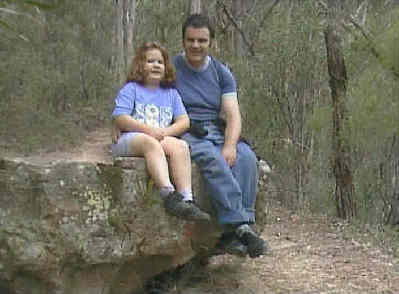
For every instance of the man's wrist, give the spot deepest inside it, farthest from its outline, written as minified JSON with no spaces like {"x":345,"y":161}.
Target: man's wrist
{"x":230,"y":144}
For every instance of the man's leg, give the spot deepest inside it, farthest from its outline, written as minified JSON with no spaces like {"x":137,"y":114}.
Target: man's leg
{"x":226,"y":192}
{"x":245,"y":171}
{"x":220,"y":182}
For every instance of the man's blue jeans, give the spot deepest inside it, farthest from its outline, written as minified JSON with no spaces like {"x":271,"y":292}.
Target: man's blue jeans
{"x":232,"y":190}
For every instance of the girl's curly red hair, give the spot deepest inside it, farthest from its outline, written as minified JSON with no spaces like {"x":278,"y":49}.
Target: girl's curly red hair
{"x":136,"y":72}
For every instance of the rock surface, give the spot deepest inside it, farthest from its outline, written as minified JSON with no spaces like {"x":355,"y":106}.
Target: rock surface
{"x":84,"y":227}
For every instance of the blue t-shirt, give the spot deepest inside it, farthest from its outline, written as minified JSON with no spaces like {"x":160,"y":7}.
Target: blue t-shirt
{"x":202,"y":90}
{"x":154,"y":107}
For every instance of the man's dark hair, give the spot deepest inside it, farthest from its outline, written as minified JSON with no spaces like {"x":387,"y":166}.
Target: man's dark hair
{"x":198,"y":21}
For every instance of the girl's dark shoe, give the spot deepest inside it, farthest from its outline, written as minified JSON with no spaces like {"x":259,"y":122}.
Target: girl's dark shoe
{"x":175,"y":205}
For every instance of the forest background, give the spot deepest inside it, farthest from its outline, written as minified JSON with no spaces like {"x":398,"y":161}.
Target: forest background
{"x":333,"y":148}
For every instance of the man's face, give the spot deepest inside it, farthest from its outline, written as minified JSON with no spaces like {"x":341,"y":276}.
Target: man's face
{"x":196,"y":45}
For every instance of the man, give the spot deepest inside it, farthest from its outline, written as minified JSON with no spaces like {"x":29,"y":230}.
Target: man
{"x":228,"y":165}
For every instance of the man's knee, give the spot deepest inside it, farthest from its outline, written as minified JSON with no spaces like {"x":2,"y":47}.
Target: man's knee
{"x":246,"y":154}
{"x":212,"y":160}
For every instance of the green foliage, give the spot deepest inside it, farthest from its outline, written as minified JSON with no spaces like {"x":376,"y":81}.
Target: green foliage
{"x":60,"y":81}
{"x":155,"y":24}
{"x":387,"y":46}
{"x":18,"y":8}
{"x":279,"y":90}
{"x":320,"y":119}
{"x":374,"y":109}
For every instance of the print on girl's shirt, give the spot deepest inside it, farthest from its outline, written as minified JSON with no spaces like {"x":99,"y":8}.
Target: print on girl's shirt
{"x":153,"y":115}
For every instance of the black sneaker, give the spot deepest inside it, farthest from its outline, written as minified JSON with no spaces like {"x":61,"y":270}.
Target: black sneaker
{"x":175,"y":205}
{"x":256,"y":246}
{"x":230,"y":244}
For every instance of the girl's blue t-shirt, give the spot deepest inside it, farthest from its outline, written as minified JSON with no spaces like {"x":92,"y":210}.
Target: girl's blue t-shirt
{"x":154,"y":107}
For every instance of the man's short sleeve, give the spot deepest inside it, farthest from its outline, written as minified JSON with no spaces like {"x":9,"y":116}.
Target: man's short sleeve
{"x":227,"y":82}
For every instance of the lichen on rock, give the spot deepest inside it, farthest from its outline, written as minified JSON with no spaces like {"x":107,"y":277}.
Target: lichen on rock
{"x":66,"y":224}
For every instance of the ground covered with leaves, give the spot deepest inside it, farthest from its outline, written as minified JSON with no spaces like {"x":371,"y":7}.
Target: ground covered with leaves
{"x":311,"y":254}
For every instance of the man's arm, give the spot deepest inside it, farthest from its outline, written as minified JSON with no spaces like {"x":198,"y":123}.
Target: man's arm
{"x":232,"y":133}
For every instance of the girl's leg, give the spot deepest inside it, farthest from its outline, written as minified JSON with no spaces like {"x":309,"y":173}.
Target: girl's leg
{"x":178,"y":154}
{"x":145,"y":146}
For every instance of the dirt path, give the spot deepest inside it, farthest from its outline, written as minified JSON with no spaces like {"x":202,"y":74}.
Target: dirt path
{"x":310,"y":254}
{"x":94,"y":148}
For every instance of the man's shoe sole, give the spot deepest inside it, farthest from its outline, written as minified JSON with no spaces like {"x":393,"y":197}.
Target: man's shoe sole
{"x":256,"y":246}
{"x":236,"y":248}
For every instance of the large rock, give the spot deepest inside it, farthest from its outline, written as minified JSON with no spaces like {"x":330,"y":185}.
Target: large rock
{"x":75,"y":227}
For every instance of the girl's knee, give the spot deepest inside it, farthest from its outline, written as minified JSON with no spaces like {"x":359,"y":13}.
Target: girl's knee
{"x":183,"y":145}
{"x":151,"y":144}
{"x":176,"y":146}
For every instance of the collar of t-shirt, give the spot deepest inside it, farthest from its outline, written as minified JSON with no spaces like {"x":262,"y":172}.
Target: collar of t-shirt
{"x":202,"y":68}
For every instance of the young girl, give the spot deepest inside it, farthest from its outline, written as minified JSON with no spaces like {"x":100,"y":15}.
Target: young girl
{"x":150,"y":114}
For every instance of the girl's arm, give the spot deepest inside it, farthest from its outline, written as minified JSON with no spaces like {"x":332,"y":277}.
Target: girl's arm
{"x":127,"y":123}
{"x":178,"y":127}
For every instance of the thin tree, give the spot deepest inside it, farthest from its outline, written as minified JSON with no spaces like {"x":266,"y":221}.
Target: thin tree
{"x":125,"y":16}
{"x":341,"y":161}
{"x":195,"y":6}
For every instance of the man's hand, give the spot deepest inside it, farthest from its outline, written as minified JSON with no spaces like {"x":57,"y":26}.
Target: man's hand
{"x":229,"y":153}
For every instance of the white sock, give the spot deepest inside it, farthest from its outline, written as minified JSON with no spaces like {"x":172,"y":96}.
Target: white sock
{"x":187,"y":195}
{"x":166,"y":190}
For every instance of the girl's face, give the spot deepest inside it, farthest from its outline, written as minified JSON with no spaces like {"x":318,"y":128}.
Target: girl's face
{"x":154,"y":68}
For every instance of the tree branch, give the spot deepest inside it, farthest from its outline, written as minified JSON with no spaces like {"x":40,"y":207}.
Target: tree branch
{"x":260,"y":26}
{"x":234,"y":22}
{"x":371,"y":45}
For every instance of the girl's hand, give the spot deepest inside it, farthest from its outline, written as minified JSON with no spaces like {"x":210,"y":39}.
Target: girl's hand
{"x":115,"y":133}
{"x":157,"y":133}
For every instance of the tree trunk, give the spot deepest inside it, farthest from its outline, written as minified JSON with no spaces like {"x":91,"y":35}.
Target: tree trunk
{"x":118,"y":39}
{"x":238,"y":10}
{"x":195,"y":6}
{"x":125,"y":14}
{"x":344,"y":190}
{"x":130,"y":18}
